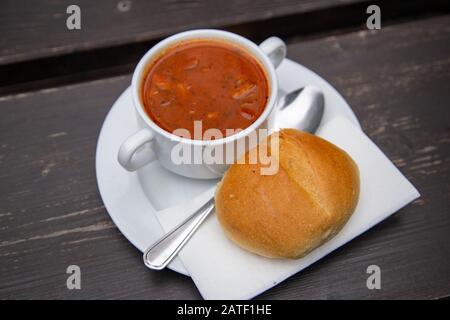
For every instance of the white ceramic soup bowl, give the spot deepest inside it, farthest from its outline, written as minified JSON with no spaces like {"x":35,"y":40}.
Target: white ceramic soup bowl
{"x":152,"y":143}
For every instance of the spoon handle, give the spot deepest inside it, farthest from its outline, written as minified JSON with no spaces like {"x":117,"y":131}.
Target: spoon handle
{"x":159,"y":255}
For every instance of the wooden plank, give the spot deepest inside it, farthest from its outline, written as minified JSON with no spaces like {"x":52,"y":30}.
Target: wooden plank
{"x":45,"y":63}
{"x":37,"y":31}
{"x":51,"y":214}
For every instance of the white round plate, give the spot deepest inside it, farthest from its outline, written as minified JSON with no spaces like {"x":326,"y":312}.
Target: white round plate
{"x":133,"y":198}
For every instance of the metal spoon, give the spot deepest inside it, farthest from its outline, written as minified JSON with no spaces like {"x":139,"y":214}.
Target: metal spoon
{"x":301,"y":109}
{"x":309,"y":101}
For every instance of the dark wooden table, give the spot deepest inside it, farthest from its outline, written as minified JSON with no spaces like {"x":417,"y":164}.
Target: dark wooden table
{"x":56,"y":87}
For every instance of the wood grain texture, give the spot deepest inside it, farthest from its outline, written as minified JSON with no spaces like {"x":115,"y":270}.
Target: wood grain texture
{"x":36,"y":31}
{"x":51,"y":214}
{"x":63,"y":57}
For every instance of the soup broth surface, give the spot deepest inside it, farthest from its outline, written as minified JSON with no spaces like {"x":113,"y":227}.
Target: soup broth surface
{"x":210,"y":81}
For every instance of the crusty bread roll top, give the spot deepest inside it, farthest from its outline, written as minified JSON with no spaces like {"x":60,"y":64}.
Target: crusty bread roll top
{"x":288,"y":214}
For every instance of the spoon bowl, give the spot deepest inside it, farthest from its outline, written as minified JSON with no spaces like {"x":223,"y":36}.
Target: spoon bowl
{"x":309,"y":101}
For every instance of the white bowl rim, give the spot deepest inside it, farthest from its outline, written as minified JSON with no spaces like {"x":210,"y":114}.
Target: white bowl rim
{"x":206,"y":34}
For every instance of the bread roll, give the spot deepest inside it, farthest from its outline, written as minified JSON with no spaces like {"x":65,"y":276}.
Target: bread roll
{"x":288,"y":214}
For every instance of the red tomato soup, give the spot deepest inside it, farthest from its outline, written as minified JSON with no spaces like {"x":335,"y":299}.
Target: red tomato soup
{"x":211,"y":81}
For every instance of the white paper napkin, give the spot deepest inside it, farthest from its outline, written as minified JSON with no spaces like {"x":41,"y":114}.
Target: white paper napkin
{"x":221,"y":270}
